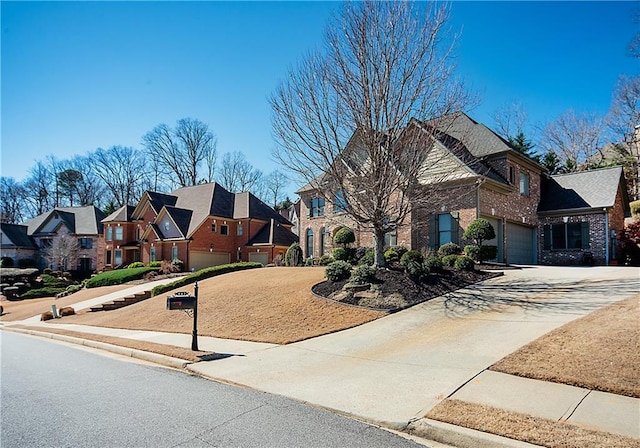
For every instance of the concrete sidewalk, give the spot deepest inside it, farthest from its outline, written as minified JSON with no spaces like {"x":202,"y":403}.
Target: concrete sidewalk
{"x":392,"y":371}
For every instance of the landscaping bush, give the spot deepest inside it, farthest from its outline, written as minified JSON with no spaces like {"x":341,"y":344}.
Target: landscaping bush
{"x":6,"y":262}
{"x":433,"y":263}
{"x":344,"y":254}
{"x":47,"y":315}
{"x":338,"y":270}
{"x":449,"y":260}
{"x":293,"y":256}
{"x":449,"y":249}
{"x":360,"y":252}
{"x":117,"y":277}
{"x":26,"y":263}
{"x":203,"y":274}
{"x":155,"y":264}
{"x":66,"y":311}
{"x":311,"y":261}
{"x":362,"y":274}
{"x":50,"y":281}
{"x":412,"y":256}
{"x":472,"y":251}
{"x":391,"y":256}
{"x":488,"y":253}
{"x":136,"y":264}
{"x":416,"y":270}
{"x":344,"y":236}
{"x":47,"y":291}
{"x":178,"y":265}
{"x":47,"y":271}
{"x":464,"y":263}
{"x":325,"y":260}
{"x":635,"y":208}
{"x":479,"y":230}
{"x":368,"y":258}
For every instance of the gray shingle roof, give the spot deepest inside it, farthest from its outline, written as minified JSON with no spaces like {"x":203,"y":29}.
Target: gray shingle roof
{"x":123,"y":214}
{"x":17,"y":235}
{"x":246,"y":205}
{"x":80,"y":220}
{"x":274,"y":234}
{"x":583,"y":190}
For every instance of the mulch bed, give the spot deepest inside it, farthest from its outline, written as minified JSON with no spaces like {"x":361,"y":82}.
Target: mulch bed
{"x":394,"y":282}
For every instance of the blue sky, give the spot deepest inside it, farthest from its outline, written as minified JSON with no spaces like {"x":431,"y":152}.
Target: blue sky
{"x":81,"y":75}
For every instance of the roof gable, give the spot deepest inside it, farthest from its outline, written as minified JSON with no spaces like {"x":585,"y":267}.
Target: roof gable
{"x":273,"y":234}
{"x":16,"y":235}
{"x":123,"y":214}
{"x":246,"y":205}
{"x":594,"y":189}
{"x":79,"y":221}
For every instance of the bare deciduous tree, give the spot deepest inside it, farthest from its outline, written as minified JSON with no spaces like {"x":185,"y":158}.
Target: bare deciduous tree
{"x":237,"y":174}
{"x":39,"y":187}
{"x":183,"y":149}
{"x":574,"y":138}
{"x":63,"y":247}
{"x":274,"y":185}
{"x":123,"y":170}
{"x":339,"y":117}
{"x":12,"y":198}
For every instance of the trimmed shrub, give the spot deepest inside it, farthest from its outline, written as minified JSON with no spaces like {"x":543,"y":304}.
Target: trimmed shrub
{"x":66,"y":311}
{"x":47,"y":315}
{"x":47,"y":271}
{"x":479,"y":230}
{"x":338,"y":270}
{"x":325,"y":260}
{"x":178,"y":265}
{"x":117,"y":277}
{"x":433,"y":263}
{"x":43,"y":292}
{"x":488,"y":253}
{"x":205,"y":273}
{"x":73,"y":288}
{"x":449,"y":249}
{"x":344,"y":236}
{"x":391,"y":256}
{"x":136,"y":264}
{"x":293,"y":256}
{"x":344,"y":254}
{"x":155,"y":264}
{"x":362,"y":274}
{"x":449,"y":260}
{"x":360,"y":252}
{"x":417,"y":271}
{"x":368,"y":258}
{"x":464,"y":263}
{"x":311,"y":261}
{"x":412,"y":256}
{"x":472,"y":251}
{"x":6,"y":262}
{"x":635,"y":208}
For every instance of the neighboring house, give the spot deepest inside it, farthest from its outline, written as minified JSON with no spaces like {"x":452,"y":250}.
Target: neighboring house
{"x":81,"y":223}
{"x":581,"y":216}
{"x":16,"y":244}
{"x":292,"y":214}
{"x":203,"y":225}
{"x":478,"y":175}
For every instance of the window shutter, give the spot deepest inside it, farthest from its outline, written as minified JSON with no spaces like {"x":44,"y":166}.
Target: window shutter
{"x":547,"y":238}
{"x":455,"y":218}
{"x":584,"y":230}
{"x":433,"y":231}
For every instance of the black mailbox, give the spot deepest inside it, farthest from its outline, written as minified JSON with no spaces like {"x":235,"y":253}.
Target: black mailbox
{"x":181,"y":301}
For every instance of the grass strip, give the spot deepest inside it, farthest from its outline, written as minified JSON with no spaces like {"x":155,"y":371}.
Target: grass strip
{"x":162,"y":349}
{"x":600,"y":351}
{"x":525,"y":427}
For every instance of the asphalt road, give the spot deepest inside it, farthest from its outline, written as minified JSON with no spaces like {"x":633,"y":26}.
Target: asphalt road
{"x":54,"y":395}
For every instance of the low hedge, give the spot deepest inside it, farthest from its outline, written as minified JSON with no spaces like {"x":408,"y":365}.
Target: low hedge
{"x":48,"y":291}
{"x":203,"y":274}
{"x":118,"y":277}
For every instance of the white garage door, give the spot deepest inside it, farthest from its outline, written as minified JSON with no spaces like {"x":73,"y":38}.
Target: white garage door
{"x":260,"y":257}
{"x":201,"y":260}
{"x":520,"y":244}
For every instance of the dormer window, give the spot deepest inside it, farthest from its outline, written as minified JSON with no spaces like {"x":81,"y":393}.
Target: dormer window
{"x":167,"y":226}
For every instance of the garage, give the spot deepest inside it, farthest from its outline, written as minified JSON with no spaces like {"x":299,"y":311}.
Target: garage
{"x":260,"y":257}
{"x":201,"y":260}
{"x":520,"y":244}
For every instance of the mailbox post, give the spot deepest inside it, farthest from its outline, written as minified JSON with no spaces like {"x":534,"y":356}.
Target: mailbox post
{"x":181,"y":300}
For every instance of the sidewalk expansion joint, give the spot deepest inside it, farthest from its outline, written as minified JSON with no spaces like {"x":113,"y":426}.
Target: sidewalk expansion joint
{"x":567,"y":415}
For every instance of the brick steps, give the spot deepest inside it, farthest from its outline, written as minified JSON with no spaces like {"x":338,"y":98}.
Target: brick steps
{"x":120,"y":303}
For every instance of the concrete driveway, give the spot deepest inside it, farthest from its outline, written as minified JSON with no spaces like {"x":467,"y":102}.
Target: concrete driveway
{"x":395,"y":369}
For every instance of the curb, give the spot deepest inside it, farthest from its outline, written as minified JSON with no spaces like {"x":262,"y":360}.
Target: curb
{"x":460,"y":436}
{"x":155,"y":358}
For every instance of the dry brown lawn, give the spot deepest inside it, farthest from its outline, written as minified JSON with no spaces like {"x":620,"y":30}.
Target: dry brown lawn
{"x":600,"y":351}
{"x":524,"y":427}
{"x":272,"y":305}
{"x":23,"y":309}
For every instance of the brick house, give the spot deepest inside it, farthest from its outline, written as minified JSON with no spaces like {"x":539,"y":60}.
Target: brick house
{"x":581,"y":215}
{"x":83,"y":223}
{"x":16,"y":244}
{"x":477,"y":174}
{"x":203,"y":225}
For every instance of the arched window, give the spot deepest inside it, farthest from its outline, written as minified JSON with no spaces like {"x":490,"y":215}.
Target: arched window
{"x":309,"y":243}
